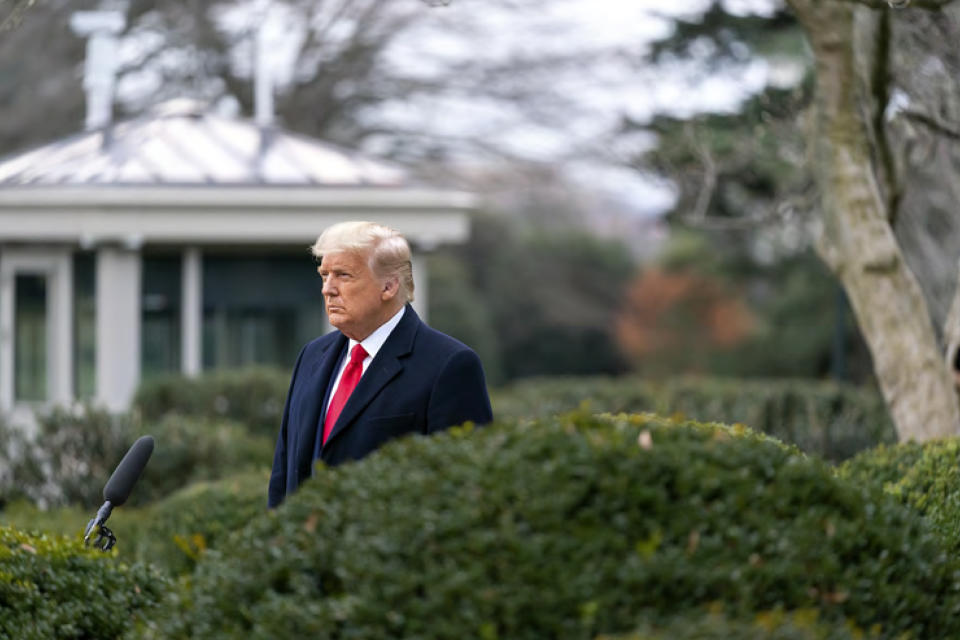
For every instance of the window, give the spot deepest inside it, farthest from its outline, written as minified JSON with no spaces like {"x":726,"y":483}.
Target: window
{"x":160,"y":309}
{"x":84,"y":326}
{"x":30,"y":337}
{"x":259,"y":310}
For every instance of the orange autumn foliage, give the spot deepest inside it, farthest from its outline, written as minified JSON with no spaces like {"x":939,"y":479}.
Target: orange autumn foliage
{"x":680,"y":317}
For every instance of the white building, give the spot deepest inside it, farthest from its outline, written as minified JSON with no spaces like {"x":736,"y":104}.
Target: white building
{"x":178,"y":242}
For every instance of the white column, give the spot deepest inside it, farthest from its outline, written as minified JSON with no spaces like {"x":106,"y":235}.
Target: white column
{"x":118,"y":327}
{"x":420,"y":289}
{"x":6,"y":336}
{"x":60,"y":330}
{"x":191,"y":312}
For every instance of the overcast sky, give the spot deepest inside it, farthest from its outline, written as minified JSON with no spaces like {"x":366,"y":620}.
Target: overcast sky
{"x":601,"y":97}
{"x":612,"y":90}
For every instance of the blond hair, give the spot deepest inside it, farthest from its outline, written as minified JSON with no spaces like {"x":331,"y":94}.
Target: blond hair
{"x":389,"y":251}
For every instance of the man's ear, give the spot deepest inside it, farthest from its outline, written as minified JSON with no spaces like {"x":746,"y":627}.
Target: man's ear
{"x":391,"y":287}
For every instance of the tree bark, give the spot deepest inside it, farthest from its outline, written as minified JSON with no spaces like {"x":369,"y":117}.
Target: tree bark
{"x":857,"y":239}
{"x":951,"y":331}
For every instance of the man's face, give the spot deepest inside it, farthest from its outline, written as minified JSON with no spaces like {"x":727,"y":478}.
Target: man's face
{"x":357,"y":301}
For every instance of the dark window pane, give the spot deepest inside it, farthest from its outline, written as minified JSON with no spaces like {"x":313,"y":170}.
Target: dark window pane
{"x":259,"y":310}
{"x":161,"y":301}
{"x":84,"y":326}
{"x":30,"y":341}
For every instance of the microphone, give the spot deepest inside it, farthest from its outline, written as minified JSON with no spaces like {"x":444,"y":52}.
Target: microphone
{"x":118,"y":489}
{"x":120,"y":484}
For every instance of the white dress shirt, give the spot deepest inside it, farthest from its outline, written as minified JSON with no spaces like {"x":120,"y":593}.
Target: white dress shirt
{"x":371,"y":344}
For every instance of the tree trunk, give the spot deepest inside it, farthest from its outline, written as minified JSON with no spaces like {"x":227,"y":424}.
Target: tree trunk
{"x":857,"y":240}
{"x":951,"y":332}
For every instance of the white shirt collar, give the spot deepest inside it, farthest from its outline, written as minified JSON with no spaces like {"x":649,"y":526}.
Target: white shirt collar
{"x":374,"y":342}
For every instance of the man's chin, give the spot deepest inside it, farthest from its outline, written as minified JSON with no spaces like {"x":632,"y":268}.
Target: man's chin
{"x":336,"y":319}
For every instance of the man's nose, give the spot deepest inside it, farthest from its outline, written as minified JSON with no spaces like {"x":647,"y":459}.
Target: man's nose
{"x":328,"y":288}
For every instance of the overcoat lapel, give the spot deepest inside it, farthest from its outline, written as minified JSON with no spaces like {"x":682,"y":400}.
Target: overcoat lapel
{"x":384,"y":368}
{"x":315,"y":390}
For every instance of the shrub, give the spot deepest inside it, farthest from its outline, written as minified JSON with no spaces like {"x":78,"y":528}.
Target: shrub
{"x":55,"y":588}
{"x":772,"y":625}
{"x":883,"y":465}
{"x":63,"y":521}
{"x":932,"y":485}
{"x":924,"y":476}
{"x":176,"y":531}
{"x":171,"y":533}
{"x":831,"y":420}
{"x":192,"y":450}
{"x":569,"y":528}
{"x":74,"y":453}
{"x":68,"y":459}
{"x":253,"y":397}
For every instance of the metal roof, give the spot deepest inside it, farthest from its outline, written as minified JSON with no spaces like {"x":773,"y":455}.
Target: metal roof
{"x":179,"y":143}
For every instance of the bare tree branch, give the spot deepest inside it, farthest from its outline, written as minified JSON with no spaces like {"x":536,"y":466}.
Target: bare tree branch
{"x":929,"y":5}
{"x":705,"y":194}
{"x":933,"y":122}
{"x":14,"y":13}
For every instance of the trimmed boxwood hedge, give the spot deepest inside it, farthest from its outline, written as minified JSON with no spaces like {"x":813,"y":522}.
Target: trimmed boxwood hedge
{"x":176,"y":531}
{"x":569,"y":528}
{"x":54,"y":588}
{"x":834,"y":421}
{"x":190,"y":450}
{"x":75,"y":452}
{"x":882,"y":465}
{"x":59,"y":521}
{"x":924,"y":476}
{"x":253,"y":397}
{"x":171,"y":533}
{"x":829,"y":419}
{"x":773,"y":625}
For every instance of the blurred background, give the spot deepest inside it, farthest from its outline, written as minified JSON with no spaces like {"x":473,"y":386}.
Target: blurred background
{"x":623,"y":207}
{"x":590,"y":188}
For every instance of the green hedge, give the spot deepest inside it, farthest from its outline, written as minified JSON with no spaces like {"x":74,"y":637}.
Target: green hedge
{"x":771,"y":625}
{"x":190,"y":450}
{"x":61,"y":521}
{"x":253,"y":397}
{"x":54,"y":588}
{"x":831,"y":420}
{"x":74,"y":453}
{"x":69,"y":458}
{"x":924,"y":476}
{"x":176,"y":531}
{"x":882,"y":465}
{"x":171,"y":533}
{"x":569,"y":528}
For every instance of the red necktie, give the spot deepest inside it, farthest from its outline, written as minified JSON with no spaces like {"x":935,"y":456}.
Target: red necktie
{"x":348,"y":381}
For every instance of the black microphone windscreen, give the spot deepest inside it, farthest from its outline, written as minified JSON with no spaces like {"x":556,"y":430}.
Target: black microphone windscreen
{"x":118,"y":487}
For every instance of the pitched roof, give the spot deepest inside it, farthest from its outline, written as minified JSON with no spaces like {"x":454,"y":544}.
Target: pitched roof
{"x":178,"y":143}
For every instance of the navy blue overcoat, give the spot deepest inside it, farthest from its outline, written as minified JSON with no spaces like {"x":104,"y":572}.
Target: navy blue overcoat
{"x":421,"y":381}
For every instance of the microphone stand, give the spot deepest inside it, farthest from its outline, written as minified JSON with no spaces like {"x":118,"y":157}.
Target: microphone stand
{"x":105,"y":538}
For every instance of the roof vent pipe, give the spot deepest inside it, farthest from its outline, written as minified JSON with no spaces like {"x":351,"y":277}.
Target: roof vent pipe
{"x":263,"y":82}
{"x":99,"y":76}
